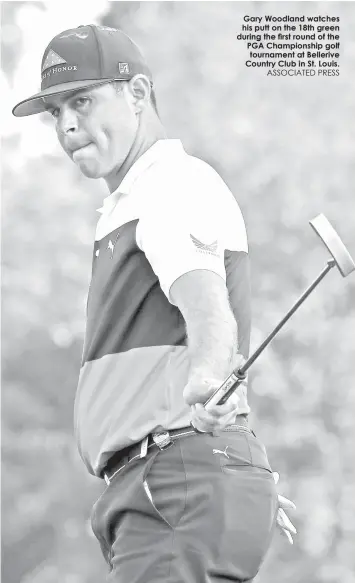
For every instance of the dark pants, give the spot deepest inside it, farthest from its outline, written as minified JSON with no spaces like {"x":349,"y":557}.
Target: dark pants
{"x":210,"y":520}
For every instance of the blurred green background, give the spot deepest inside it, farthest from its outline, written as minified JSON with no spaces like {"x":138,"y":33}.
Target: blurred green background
{"x":286,"y":147}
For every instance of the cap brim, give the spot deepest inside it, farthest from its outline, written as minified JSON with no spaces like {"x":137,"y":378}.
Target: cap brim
{"x":35,"y":104}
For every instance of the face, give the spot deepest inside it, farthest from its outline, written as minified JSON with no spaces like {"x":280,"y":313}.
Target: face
{"x":96,"y":127}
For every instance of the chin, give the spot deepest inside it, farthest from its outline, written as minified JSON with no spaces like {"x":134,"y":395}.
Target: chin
{"x":91,"y":170}
{"x":91,"y":173}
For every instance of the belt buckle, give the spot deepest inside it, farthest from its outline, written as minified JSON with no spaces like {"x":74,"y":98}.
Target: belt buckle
{"x":162,"y":439}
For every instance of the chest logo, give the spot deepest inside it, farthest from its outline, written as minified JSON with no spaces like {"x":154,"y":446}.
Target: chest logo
{"x":111,"y":245}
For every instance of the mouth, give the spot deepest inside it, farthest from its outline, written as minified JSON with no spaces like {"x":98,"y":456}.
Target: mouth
{"x":80,"y":149}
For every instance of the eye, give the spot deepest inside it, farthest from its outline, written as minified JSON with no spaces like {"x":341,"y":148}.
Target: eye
{"x":54,"y":112}
{"x":82,"y":102}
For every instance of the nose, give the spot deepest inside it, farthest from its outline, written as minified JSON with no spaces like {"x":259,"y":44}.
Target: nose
{"x":68,"y":122}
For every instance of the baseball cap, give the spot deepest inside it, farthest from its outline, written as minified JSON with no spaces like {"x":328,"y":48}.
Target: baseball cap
{"x":84,"y":57}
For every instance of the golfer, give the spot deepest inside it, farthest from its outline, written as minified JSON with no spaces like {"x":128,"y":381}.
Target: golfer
{"x":189,"y":493}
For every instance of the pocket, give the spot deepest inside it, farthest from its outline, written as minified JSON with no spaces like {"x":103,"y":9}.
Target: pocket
{"x":258,"y":454}
{"x":242,"y":451}
{"x":164,"y":485}
{"x":248,"y":507}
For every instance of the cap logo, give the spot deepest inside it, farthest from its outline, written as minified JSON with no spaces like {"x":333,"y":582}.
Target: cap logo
{"x":123,"y":68}
{"x":52,"y":59}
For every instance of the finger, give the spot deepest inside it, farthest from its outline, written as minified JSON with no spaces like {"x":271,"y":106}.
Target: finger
{"x":285,"y":531}
{"x":220,"y":410}
{"x":230,"y":406}
{"x":286,"y":503}
{"x":206,"y":422}
{"x":212,"y":417}
{"x":288,"y":535}
{"x":199,"y":418}
{"x":196,"y":423}
{"x":203,"y":423}
{"x":284,"y":521}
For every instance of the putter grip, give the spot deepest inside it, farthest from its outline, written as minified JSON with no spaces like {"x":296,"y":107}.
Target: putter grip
{"x":221,"y":395}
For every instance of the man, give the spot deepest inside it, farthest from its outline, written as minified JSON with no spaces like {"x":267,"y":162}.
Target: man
{"x":190,"y":493}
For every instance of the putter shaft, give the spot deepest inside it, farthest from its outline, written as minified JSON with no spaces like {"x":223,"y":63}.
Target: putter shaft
{"x":301,"y":299}
{"x":221,"y":394}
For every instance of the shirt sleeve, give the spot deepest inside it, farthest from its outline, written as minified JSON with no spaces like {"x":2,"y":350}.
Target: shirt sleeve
{"x":188,"y":223}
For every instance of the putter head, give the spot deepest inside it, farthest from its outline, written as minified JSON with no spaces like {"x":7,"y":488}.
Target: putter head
{"x":334,"y":244}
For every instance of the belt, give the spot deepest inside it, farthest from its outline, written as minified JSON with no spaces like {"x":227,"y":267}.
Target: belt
{"x":161,"y":439}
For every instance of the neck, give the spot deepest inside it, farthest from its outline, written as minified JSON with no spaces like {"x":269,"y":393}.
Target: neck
{"x":147,"y":134}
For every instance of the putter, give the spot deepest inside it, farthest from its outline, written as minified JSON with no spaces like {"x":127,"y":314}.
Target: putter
{"x":344,"y":262}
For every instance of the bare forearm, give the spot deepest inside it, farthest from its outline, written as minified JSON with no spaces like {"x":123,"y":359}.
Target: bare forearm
{"x":212,"y":335}
{"x":212,"y":344}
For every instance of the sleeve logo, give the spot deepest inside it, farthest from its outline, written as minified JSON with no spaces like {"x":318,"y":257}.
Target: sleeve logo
{"x":210,"y":248}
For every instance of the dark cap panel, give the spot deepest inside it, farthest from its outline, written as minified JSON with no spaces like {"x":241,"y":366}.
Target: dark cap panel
{"x":71,"y":56}
{"x":81,"y":56}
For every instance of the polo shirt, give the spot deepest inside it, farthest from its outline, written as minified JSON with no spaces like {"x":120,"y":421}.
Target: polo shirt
{"x":171,"y":214}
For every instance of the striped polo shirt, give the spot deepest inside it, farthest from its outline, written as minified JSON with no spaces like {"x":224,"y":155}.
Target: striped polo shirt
{"x":171,"y":214}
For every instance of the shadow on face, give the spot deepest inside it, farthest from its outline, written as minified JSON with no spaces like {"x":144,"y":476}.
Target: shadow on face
{"x":96,"y":127}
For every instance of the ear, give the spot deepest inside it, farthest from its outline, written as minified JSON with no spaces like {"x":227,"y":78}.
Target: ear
{"x":140,"y":89}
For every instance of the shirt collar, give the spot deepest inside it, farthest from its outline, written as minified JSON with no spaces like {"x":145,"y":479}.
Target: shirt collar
{"x":160,"y":149}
